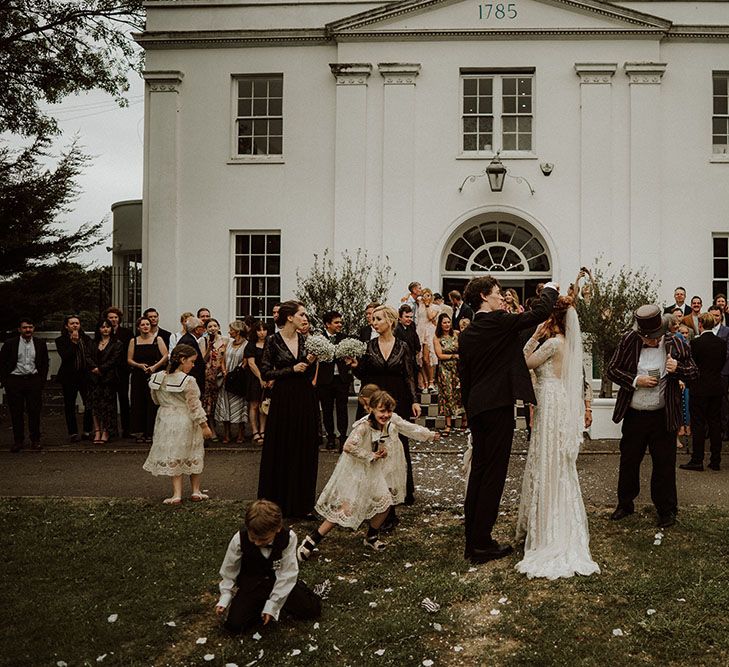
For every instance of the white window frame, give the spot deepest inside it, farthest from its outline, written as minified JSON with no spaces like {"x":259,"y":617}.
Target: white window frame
{"x":244,"y":158}
{"x":719,"y":155}
{"x":234,"y":275}
{"x":497,"y":76}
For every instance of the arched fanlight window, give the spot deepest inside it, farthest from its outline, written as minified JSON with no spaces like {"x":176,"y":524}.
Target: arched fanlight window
{"x":498,"y":246}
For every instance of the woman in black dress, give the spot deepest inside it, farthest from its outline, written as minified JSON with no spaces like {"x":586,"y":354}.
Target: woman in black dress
{"x":76,"y":351}
{"x":290,"y":456}
{"x":388,"y":363}
{"x":104,"y":378}
{"x":146,"y":355}
{"x":256,"y":383}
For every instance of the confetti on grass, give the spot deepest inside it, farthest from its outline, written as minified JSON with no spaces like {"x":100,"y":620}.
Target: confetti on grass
{"x":617,"y":632}
{"x":495,"y":612}
{"x":650,"y":612}
{"x":201,"y":640}
{"x":112,"y":618}
{"x":209,"y":657}
{"x":429,"y":605}
{"x":380,"y":651}
{"x":257,"y":636}
{"x":171,"y":624}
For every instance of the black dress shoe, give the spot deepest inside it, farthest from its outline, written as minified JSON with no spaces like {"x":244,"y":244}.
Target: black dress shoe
{"x":692,"y":465}
{"x":620,"y":513}
{"x":494,"y":552}
{"x":666,"y":520}
{"x":714,"y":466}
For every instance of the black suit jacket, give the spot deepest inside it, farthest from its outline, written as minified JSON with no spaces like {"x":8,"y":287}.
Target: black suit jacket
{"x":723,"y":333}
{"x":365,"y":333}
{"x":9,"y":357}
{"x":326,"y":368}
{"x":67,"y":351}
{"x":198,"y":370}
{"x":491,"y":361}
{"x":709,"y":353}
{"x":465,"y":311}
{"x":165,"y":336}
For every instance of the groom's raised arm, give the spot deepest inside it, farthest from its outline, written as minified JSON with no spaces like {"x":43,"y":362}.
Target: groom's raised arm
{"x":541,"y":310}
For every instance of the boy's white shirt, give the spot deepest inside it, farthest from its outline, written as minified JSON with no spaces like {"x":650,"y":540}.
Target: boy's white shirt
{"x":287,"y":572}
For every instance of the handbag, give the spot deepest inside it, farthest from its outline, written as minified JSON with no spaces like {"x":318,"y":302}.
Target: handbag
{"x":236,"y":382}
{"x":265,"y":402}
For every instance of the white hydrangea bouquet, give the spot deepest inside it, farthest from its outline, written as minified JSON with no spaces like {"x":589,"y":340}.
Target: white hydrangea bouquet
{"x":351,"y":348}
{"x":320,"y":347}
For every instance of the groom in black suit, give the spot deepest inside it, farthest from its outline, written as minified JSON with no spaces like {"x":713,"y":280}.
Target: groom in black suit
{"x":493,"y":376}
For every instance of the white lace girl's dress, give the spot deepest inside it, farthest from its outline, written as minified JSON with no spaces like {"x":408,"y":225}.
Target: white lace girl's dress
{"x":362,"y":486}
{"x":551,"y":513}
{"x":177,"y":446}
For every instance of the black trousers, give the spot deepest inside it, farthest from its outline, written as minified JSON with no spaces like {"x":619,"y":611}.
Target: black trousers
{"x":647,"y":429}
{"x":335,"y":394}
{"x":705,"y":419}
{"x":71,"y":388}
{"x":122,"y":392}
{"x":725,"y":405}
{"x":492,"y":433}
{"x":247,"y":606}
{"x":24,"y":394}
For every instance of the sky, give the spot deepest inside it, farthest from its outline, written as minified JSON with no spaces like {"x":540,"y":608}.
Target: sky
{"x":113,"y":136}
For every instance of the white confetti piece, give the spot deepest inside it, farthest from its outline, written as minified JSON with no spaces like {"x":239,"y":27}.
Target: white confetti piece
{"x":458,"y":648}
{"x":659,"y":536}
{"x":495,"y":612}
{"x":650,"y":612}
{"x":260,"y":654}
{"x":230,"y":664}
{"x":429,"y":605}
{"x":201,"y":640}
{"x":471,"y":569}
{"x":656,"y":543}
{"x":316,"y":625}
{"x":503,"y":600}
{"x":373,"y":604}
{"x":617,"y":632}
{"x":112,"y":618}
{"x":408,"y":566}
{"x":427,"y":662}
{"x":380,"y":651}
{"x":437,"y":627}
{"x":209,"y":657}
{"x":171,"y":624}
{"x":61,"y":663}
{"x":680,"y":599}
{"x":389,"y":590}
{"x":312,"y":647}
{"x":101,"y":658}
{"x":257,"y":636}
{"x":251,"y":663}
{"x":336,"y":648}
{"x":296,"y":651}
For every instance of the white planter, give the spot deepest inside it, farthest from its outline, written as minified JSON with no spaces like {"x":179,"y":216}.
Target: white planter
{"x":603,"y":427}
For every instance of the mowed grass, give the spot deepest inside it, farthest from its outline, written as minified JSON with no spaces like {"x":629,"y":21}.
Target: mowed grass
{"x":70,"y":564}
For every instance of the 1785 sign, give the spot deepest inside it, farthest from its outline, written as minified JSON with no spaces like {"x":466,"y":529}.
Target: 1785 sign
{"x":488,"y":11}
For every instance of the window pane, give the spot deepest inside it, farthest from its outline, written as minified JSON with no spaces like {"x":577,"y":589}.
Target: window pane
{"x":721,"y":268}
{"x":245,"y":87}
{"x":509,"y":124}
{"x":245,"y":147}
{"x":469,"y":124}
{"x":242,"y":265}
{"x":540,"y":263}
{"x":274,"y":107}
{"x":489,"y":232}
{"x":469,"y":105}
{"x":273,"y":244}
{"x":511,"y":260}
{"x":244,"y":107}
{"x":473,"y":236}
{"x":485,"y":104}
{"x":258,"y":244}
{"x":460,"y":247}
{"x":506,"y":231}
{"x":469,"y":142}
{"x":525,"y":86}
{"x":509,"y":104}
{"x":259,"y":107}
{"x":469,"y":86}
{"x":245,"y":128}
{"x":509,"y":142}
{"x":485,"y":142}
{"x":525,"y":105}
{"x":275,"y":146}
{"x":720,"y":84}
{"x":524,"y":142}
{"x":275,"y":127}
{"x":485,"y":125}
{"x":260,"y":87}
{"x":497,"y":252}
{"x":720,"y":125}
{"x":258,"y":286}
{"x":533,"y":248}
{"x":242,"y":243}
{"x":273,"y":286}
{"x":524,"y":124}
{"x":275,"y":87}
{"x":273,"y":265}
{"x":485,"y":86}
{"x":454,"y":263}
{"x":721,"y":246}
{"x":720,"y":105}
{"x":508,"y":86}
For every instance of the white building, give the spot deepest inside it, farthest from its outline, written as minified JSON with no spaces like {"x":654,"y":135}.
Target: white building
{"x":275,"y":129}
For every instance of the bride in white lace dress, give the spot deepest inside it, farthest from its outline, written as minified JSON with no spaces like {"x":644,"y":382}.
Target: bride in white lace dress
{"x":551,"y":513}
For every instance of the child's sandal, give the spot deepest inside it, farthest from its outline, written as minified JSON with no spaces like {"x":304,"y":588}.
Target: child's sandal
{"x":306,"y":549}
{"x":374,"y":543}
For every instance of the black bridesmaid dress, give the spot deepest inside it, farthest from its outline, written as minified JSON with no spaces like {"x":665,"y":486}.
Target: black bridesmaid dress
{"x":290,"y":456}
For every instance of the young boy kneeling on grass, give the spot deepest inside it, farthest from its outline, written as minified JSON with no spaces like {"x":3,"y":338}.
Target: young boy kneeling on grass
{"x":261,"y":563}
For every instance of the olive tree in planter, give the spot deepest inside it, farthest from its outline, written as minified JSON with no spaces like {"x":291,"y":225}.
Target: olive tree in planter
{"x":608,"y":313}
{"x":346,"y":286}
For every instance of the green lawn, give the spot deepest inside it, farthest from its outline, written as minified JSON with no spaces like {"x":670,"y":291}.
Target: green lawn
{"x":68,"y":565}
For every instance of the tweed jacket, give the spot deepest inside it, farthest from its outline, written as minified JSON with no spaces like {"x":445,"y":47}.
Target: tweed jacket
{"x":623,"y":368}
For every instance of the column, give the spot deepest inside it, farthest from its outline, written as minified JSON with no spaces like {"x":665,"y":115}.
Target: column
{"x":596,"y":163}
{"x":350,"y":155}
{"x":645,"y":164}
{"x":161,"y":272}
{"x":398,"y":167}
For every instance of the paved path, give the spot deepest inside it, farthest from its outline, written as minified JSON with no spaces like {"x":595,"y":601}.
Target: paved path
{"x":233,"y":474}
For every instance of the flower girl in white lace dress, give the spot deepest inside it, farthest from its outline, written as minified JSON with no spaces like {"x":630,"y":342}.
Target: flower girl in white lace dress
{"x":551,"y":513}
{"x":369,"y":477}
{"x":181,"y":426}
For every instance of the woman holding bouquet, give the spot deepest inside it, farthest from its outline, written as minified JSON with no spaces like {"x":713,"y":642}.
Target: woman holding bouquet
{"x":290,"y":457}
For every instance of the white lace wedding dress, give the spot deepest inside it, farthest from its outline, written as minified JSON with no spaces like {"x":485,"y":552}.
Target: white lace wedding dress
{"x":551,"y":513}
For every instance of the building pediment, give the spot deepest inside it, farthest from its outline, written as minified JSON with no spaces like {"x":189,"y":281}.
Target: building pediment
{"x":431,"y":18}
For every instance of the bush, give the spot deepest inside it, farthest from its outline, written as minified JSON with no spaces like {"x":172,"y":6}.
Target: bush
{"x":347,"y":287}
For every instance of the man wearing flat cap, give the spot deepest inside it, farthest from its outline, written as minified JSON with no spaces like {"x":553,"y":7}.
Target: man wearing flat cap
{"x":648,"y":365}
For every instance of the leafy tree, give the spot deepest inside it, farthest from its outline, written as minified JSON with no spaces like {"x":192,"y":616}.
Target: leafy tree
{"x":48,"y":293}
{"x":32,"y":197}
{"x":50,"y":49}
{"x":608,"y":314}
{"x":346,"y":286}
